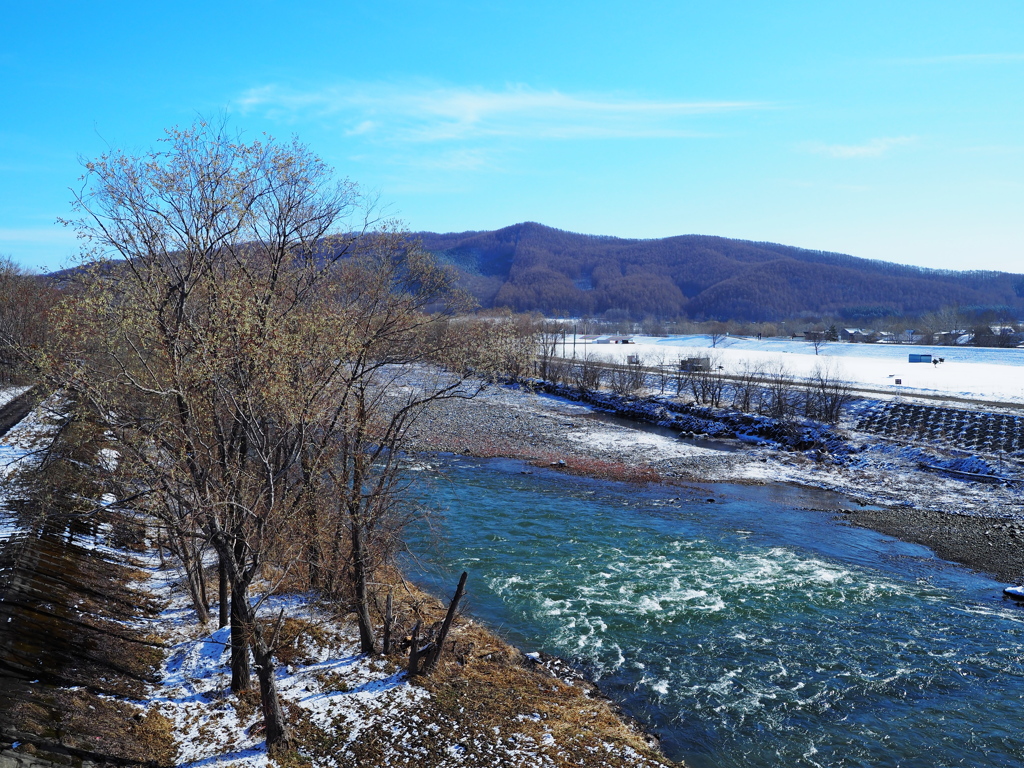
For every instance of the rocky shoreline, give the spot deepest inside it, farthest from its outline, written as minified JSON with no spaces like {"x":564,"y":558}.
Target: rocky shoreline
{"x":977,"y":524}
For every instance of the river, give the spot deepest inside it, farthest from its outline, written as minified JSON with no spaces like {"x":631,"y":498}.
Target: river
{"x":751,"y":630}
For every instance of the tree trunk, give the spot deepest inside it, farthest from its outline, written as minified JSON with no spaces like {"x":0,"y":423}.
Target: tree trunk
{"x":389,"y":623}
{"x":414,"y":651}
{"x":435,"y":655}
{"x":367,"y":641}
{"x":223,"y":592}
{"x":278,"y":734}
{"x":314,"y":558}
{"x":193,"y":568}
{"x":197,"y":559}
{"x":241,"y":677}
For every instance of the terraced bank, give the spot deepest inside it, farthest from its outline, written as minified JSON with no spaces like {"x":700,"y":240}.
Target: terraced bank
{"x":967,"y":430}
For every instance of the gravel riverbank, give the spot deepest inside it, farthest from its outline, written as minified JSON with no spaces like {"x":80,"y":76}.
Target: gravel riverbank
{"x":980,"y":525}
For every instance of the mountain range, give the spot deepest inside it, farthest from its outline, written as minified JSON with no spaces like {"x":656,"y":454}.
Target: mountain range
{"x":531,"y":267}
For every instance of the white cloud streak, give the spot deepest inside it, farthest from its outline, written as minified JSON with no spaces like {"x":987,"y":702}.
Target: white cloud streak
{"x":38,"y":235}
{"x":966,"y":58}
{"x":431,"y":114}
{"x":873,"y":148}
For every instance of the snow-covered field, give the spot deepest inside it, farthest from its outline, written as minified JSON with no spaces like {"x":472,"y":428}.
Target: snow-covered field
{"x":968,"y":372}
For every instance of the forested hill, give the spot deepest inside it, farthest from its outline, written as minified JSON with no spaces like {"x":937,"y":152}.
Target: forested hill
{"x":532,"y":267}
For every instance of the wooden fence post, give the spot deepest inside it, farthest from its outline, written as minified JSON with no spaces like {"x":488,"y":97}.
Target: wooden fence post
{"x":435,"y":654}
{"x":414,"y":651}
{"x":389,"y":621}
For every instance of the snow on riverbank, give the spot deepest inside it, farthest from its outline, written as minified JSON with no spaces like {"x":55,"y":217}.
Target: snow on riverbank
{"x":329,"y":682}
{"x":970,"y":372}
{"x":348,"y":709}
{"x":516,"y":422}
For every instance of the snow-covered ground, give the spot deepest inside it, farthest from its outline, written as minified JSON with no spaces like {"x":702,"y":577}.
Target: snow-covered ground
{"x":335,"y":686}
{"x":15,"y":449}
{"x":968,"y":372}
{"x":345,"y":703}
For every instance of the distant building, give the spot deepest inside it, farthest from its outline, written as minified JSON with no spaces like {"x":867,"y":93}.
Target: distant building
{"x":946,"y":338}
{"x":695,"y":364}
{"x":856,"y":335}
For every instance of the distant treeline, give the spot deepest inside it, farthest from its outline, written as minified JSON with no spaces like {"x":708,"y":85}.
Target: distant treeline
{"x":529,"y":267}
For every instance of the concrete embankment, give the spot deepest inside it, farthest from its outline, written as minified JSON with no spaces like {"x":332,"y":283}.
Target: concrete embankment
{"x":70,"y":664}
{"x":17,"y":409}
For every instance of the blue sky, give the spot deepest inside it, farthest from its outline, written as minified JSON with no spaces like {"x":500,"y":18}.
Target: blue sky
{"x":885,"y":130}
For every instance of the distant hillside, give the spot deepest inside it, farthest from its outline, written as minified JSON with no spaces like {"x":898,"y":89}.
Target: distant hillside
{"x":532,"y":267}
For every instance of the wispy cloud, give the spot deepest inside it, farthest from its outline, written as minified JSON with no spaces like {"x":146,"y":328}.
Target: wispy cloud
{"x":38,"y":235}
{"x":873,"y":148}
{"x":965,"y":58}
{"x":432,"y":113}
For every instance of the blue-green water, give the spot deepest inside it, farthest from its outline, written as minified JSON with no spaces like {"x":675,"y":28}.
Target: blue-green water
{"x":746,"y":632}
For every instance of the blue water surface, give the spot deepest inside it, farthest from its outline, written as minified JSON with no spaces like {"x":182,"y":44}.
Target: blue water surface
{"x":753,"y":630}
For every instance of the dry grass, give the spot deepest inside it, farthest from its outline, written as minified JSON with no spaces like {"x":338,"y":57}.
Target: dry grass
{"x":492,"y":697}
{"x":490,"y":688}
{"x":85,"y":722}
{"x":488,"y":706}
{"x":298,"y":637}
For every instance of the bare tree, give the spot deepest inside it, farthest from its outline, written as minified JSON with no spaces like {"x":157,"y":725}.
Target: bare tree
{"x":25,"y":304}
{"x":716,"y":332}
{"x":548,"y":339}
{"x":683,"y":372}
{"x":778,"y":397}
{"x":628,"y":378}
{"x":236,"y":331}
{"x":949,"y":323}
{"x":817,"y":339}
{"x":745,"y":386}
{"x":498,"y":346}
{"x":586,"y":373}
{"x":707,"y":382}
{"x":662,"y":371}
{"x":827,"y":394}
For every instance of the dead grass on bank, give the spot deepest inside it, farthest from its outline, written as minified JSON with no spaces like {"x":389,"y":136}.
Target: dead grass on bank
{"x":499,"y":695}
{"x":493,"y":697}
{"x":79,"y":723}
{"x":488,"y":704}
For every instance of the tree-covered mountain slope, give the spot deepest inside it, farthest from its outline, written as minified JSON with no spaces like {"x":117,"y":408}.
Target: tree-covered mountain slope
{"x":533,"y":267}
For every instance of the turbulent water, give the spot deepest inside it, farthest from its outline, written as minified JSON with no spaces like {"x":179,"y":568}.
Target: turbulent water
{"x":751,"y":631}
